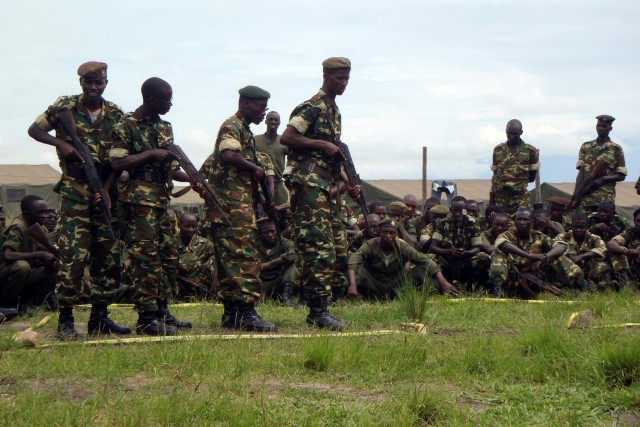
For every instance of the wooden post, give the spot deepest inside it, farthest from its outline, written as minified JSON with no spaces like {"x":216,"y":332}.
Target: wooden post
{"x":538,"y":190}
{"x":424,"y":177}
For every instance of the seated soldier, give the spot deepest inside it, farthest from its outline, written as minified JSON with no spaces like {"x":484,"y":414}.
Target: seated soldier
{"x":557,"y":207}
{"x":472,"y":209}
{"x":546,"y":226}
{"x":606,"y":223}
{"x":456,"y":244}
{"x":27,"y":271}
{"x":378,"y":269}
{"x":378,"y":209}
{"x":363,"y":235}
{"x":423,"y":220}
{"x":406,"y":231}
{"x":197,"y":266}
{"x":499,"y":225}
{"x":522,"y":249}
{"x":285,"y":218}
{"x":587,"y":251}
{"x":624,"y":250}
{"x":278,"y":258}
{"x":489,"y":213}
{"x":436,"y":214}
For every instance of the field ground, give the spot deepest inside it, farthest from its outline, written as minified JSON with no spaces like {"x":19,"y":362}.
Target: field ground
{"x":476,"y":363}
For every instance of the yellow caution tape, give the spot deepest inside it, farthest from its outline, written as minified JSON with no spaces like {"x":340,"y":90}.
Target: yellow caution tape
{"x":621,"y":325}
{"x":526,"y":301}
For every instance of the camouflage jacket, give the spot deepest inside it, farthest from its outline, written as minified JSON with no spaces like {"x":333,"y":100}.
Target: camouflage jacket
{"x":371,"y":257}
{"x":512,"y":170}
{"x":233,"y":186}
{"x":592,"y":243}
{"x":611,"y":153}
{"x":466,"y":236}
{"x":537,"y":243}
{"x":135,"y":134}
{"x":617,"y":226}
{"x":310,"y":119}
{"x":98,"y":136}
{"x":284,"y":248}
{"x":628,"y":238}
{"x":197,"y":260}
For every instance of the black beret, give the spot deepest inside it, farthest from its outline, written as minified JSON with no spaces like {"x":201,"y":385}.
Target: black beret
{"x":254,"y":92}
{"x":605,"y":118}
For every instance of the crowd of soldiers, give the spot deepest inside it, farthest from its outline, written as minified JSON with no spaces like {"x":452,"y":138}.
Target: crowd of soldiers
{"x":277,"y":224}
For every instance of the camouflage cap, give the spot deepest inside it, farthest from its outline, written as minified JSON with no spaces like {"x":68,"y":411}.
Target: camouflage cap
{"x":398,"y":207}
{"x":336,"y":63}
{"x":388,"y":222}
{"x":558,"y":200}
{"x":254,"y":92}
{"x":93,"y":70}
{"x":605,"y":118}
{"x":439,"y":210}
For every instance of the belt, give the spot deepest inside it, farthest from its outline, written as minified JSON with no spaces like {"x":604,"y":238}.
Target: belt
{"x":315,"y":168}
{"x":149,"y":176}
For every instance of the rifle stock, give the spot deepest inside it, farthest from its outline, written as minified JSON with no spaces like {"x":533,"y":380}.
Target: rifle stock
{"x":93,"y":179}
{"x":598,"y":171}
{"x":195,"y":178}
{"x":39,"y":235}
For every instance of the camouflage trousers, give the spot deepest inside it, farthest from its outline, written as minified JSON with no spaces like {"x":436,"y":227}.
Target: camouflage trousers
{"x":621,"y":262}
{"x":151,"y":247}
{"x":511,"y":200}
{"x":313,"y":231}
{"x":466,"y":270}
{"x":20,"y":282}
{"x":238,"y":262}
{"x":505,"y":267}
{"x":375,"y":287}
{"x":594,"y":269}
{"x":84,"y":240}
{"x":341,"y":247}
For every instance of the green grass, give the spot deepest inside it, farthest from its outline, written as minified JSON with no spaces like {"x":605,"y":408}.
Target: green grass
{"x":480,"y":363}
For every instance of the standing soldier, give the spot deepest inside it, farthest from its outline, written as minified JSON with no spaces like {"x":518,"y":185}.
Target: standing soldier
{"x":84,"y":235}
{"x":139,"y":140}
{"x":515,"y":165}
{"x":602,"y":160}
{"x":235,"y":176}
{"x":269,"y":142}
{"x":313,"y":128}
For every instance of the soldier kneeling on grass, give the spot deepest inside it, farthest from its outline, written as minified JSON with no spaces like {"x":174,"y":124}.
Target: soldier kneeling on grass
{"x":379,"y":268}
{"x":523,"y":250}
{"x":624,"y":250}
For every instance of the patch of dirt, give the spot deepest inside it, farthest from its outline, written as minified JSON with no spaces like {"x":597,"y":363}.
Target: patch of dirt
{"x":7,"y":398}
{"x":138,"y":381}
{"x":628,"y":419}
{"x":275,"y":386}
{"x":61,"y":387}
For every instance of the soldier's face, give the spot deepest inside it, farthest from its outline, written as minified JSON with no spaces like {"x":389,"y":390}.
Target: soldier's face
{"x":523,"y":221}
{"x":188,"y":227}
{"x":555,"y":212}
{"x":412,"y":204}
{"x":500,"y":225}
{"x":273,"y":122}
{"x":336,"y":81}
{"x":513,"y":134}
{"x":92,"y":89}
{"x":457,"y":210}
{"x":603,"y":128}
{"x":472,"y":210}
{"x":38,"y":212}
{"x":381,"y":211}
{"x":388,"y":236}
{"x":269,"y":234}
{"x":579,"y":229}
{"x":255,"y":110}
{"x":605,"y":215}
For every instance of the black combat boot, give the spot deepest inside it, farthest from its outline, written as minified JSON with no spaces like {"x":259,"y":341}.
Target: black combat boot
{"x":66,"y":328}
{"x":624,"y":279}
{"x":247,"y":319}
{"x":496,"y":288}
{"x":148,"y":325}
{"x":229,"y":314}
{"x":169,"y":319}
{"x":320,"y":316}
{"x":100,"y":323}
{"x":286,"y":295}
{"x":338,"y":293}
{"x":581,"y":283}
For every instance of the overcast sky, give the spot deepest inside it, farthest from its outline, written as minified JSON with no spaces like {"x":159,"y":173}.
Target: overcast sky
{"x":443,"y":74}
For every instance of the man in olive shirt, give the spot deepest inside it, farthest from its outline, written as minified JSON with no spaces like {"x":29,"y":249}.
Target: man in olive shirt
{"x":269,"y":142}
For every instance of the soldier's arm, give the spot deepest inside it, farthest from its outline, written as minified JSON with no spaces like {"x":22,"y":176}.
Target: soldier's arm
{"x":292,"y":138}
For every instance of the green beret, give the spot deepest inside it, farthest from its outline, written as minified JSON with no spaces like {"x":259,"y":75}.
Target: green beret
{"x":605,"y":118}
{"x":336,"y":63}
{"x":254,"y":92}
{"x":398,"y":207}
{"x":388,"y":222}
{"x":439,"y":210}
{"x":558,"y":200}
{"x":93,"y":70}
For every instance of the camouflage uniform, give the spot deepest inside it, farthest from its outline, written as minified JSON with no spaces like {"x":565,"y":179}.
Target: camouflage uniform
{"x":151,"y":244}
{"x":28,"y":281}
{"x":590,"y":153}
{"x":313,"y":174}
{"x":511,"y":175}
{"x":277,"y":153}
{"x":273,"y":279}
{"x":630,"y":240}
{"x":380,"y":276}
{"x":467,"y":236}
{"x":83,"y":233}
{"x":197,"y":262}
{"x":235,"y":244}
{"x":617,"y":226}
{"x":340,"y":222}
{"x":593,"y":268}
{"x":505,"y":267}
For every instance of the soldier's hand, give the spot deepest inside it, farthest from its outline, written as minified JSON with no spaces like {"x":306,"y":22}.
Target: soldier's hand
{"x":328,"y":148}
{"x":97,"y":198}
{"x":448,"y":288}
{"x":257,"y":174}
{"x":597,"y":182}
{"x":161,"y":155}
{"x":352,"y":291}
{"x":48,"y":260}
{"x":601,"y":227}
{"x":69,"y":153}
{"x":354,"y":191}
{"x":457,"y":252}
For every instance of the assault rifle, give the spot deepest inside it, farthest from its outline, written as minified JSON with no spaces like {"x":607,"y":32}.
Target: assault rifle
{"x":268,"y":196}
{"x":93,"y":179}
{"x":598,"y":171}
{"x":528,"y":280}
{"x":39,"y":235}
{"x":195,"y":178}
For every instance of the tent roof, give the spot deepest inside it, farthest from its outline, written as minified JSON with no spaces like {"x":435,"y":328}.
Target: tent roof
{"x":28,"y":174}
